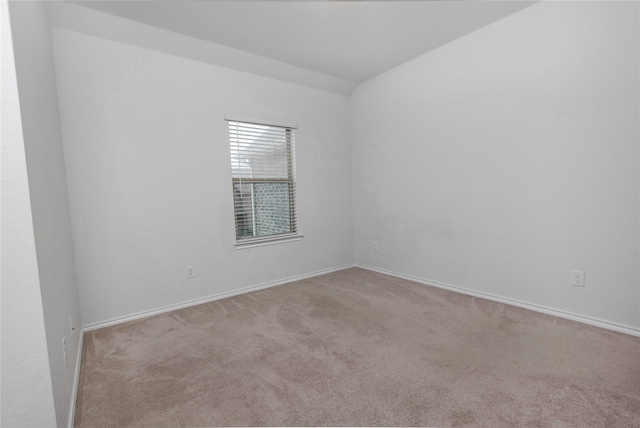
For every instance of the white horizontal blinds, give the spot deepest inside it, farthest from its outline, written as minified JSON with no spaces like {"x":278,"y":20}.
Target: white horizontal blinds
{"x":263,"y":171}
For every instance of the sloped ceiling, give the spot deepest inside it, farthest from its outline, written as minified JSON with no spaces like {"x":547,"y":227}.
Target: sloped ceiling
{"x":349,"y":40}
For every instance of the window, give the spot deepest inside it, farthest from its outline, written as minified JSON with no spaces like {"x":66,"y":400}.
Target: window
{"x":263,"y":176}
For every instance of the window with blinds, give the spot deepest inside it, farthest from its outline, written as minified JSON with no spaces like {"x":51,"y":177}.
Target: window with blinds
{"x":264,"y":184}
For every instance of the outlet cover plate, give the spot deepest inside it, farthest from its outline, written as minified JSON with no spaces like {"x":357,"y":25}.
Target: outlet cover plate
{"x":577,"y":278}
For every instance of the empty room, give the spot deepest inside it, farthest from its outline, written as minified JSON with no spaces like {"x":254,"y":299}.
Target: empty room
{"x":320,"y":213}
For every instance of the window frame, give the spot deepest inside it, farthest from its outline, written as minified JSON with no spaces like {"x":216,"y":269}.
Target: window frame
{"x":276,"y":238}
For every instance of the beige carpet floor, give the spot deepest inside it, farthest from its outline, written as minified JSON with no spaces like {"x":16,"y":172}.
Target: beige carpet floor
{"x":355,"y":348}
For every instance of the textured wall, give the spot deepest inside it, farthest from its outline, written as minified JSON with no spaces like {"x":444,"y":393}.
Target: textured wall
{"x":48,"y":191}
{"x":149,"y":175}
{"x":509,"y":157}
{"x":27,"y":395}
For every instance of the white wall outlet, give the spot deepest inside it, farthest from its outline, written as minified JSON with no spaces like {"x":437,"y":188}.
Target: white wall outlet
{"x":375,"y":246}
{"x":64,"y":349}
{"x":191,"y":272}
{"x":577,"y":278}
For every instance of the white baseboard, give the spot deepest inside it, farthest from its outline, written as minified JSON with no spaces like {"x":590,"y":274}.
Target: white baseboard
{"x":76,"y":380}
{"x":495,"y":298}
{"x":208,"y":299}
{"x":549,"y":311}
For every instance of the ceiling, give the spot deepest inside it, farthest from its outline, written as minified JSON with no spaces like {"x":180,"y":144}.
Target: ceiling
{"x":349,"y":40}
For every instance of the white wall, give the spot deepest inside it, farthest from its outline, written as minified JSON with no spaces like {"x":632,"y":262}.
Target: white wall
{"x":503,"y":160}
{"x":48,"y":191}
{"x":27,"y":394}
{"x":149,"y":175}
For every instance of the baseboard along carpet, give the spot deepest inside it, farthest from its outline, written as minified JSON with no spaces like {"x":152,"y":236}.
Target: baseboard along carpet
{"x":354,"y":348}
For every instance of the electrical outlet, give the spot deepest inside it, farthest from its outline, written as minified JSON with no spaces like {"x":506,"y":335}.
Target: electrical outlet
{"x":375,"y":246}
{"x":577,"y":278}
{"x":64,"y":349}
{"x":191,"y":273}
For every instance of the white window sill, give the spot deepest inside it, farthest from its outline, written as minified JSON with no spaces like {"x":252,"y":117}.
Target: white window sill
{"x":261,"y":242}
